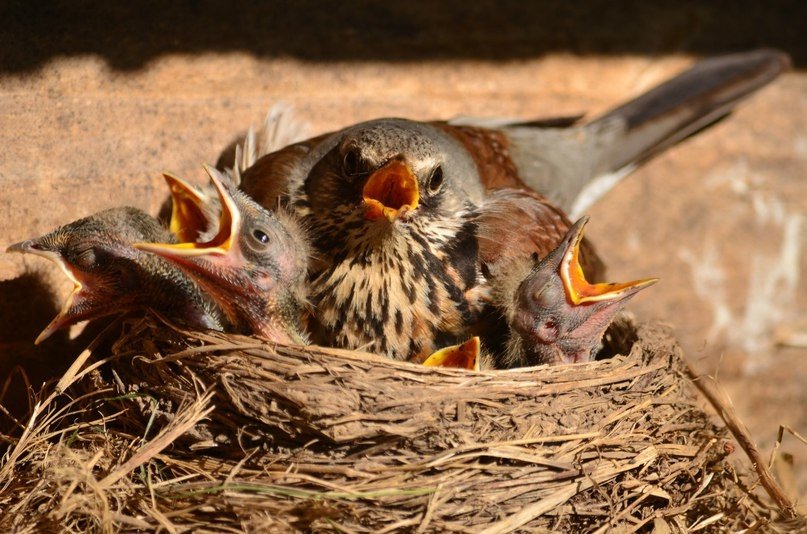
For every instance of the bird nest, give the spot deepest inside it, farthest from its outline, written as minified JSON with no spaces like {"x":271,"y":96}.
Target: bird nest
{"x":177,"y":430}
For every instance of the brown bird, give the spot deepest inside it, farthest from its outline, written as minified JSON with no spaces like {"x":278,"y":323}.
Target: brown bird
{"x":395,"y":270}
{"x":254,"y":267}
{"x":112,"y":277}
{"x":555,"y":315}
{"x":389,"y":203}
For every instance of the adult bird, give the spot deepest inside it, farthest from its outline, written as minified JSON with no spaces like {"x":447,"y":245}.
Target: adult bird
{"x":110,"y":276}
{"x":254,"y":267}
{"x":390,"y":202}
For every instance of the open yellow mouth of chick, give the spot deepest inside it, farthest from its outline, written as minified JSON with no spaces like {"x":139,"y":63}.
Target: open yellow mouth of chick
{"x":579,"y":290}
{"x":222,"y":244}
{"x":390,"y":192}
{"x":463,"y":356}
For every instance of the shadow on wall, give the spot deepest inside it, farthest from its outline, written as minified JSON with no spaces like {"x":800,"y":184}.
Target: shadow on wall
{"x":322,"y":30}
{"x":23,"y":365}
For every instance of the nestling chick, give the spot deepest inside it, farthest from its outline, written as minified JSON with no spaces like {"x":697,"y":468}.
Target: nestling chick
{"x":254,"y":267}
{"x":555,"y":315}
{"x":112,"y":277}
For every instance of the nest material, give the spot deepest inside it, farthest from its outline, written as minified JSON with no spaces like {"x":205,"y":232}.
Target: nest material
{"x":181,"y":430}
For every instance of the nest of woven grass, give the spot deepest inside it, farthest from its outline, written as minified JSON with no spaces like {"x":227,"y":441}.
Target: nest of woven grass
{"x":176,"y":430}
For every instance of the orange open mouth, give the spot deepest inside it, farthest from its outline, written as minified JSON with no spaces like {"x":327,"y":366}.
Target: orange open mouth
{"x":222,"y":244}
{"x":578,"y":289}
{"x":390,"y":191}
{"x":464,"y":356}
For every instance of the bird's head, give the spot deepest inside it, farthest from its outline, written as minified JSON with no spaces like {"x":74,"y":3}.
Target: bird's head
{"x":109,"y":275}
{"x":558,"y":315}
{"x":254,"y":267}
{"x":391,"y":170}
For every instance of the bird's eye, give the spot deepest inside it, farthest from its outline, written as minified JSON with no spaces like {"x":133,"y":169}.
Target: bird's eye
{"x":543,"y":297}
{"x":85,"y":258}
{"x":351,"y":163}
{"x":260,"y":236}
{"x":436,"y":179}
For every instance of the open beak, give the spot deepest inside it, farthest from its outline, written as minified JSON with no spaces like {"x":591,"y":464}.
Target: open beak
{"x":224,"y":243}
{"x":465,"y":356}
{"x":217,"y":263}
{"x":578,"y":289}
{"x":390,"y":191}
{"x":188,"y":220}
{"x":73,"y":304}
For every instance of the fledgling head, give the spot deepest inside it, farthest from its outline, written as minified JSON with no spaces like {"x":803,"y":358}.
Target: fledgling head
{"x":393,"y":170}
{"x":556,"y":316}
{"x":254,"y":267}
{"x":110,"y":276}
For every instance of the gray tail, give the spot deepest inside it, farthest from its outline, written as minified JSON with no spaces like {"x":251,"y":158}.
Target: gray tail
{"x":576,"y":165}
{"x":688,"y":103}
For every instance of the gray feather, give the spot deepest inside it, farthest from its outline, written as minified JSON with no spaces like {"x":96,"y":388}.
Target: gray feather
{"x":563,"y":162}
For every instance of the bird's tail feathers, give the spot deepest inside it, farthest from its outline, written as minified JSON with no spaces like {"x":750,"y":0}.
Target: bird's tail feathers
{"x":687,"y":103}
{"x":575,"y":166}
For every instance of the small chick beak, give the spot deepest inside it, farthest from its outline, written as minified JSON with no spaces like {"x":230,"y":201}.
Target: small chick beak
{"x":188,"y":220}
{"x":28,"y":246}
{"x":390,"y":191}
{"x":58,"y":322}
{"x":578,"y":289}
{"x":464,"y":356}
{"x":67,"y":315}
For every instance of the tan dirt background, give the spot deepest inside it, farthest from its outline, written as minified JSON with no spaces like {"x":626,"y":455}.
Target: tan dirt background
{"x":96,"y":101}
